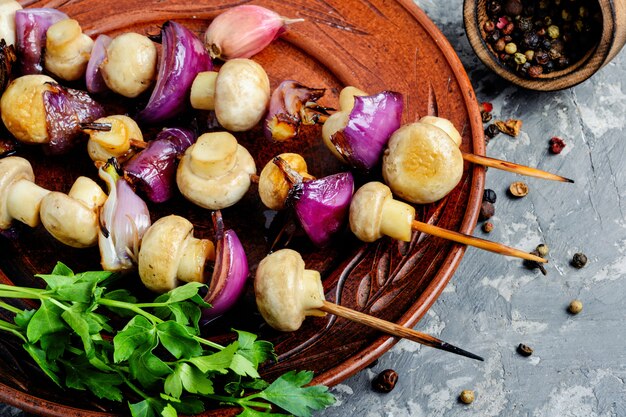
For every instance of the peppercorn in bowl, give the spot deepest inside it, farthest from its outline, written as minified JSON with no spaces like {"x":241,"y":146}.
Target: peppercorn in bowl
{"x":545,"y":45}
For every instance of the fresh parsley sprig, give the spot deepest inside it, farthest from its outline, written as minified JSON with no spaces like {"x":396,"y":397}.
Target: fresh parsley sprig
{"x":158,"y":358}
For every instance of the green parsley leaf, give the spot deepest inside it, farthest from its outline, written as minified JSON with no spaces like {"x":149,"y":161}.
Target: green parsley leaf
{"x":169,"y":411}
{"x":138,"y":334}
{"x":61,"y":269}
{"x":147,"y":368}
{"x":39,"y":356}
{"x":289,"y":393}
{"x":217,"y":362}
{"x":177,"y":340}
{"x":121,"y":295}
{"x":79,"y":325}
{"x":23,"y":318}
{"x":249,"y":412}
{"x":255,"y":351}
{"x":144,"y":408}
{"x":242,"y":366}
{"x":54,"y":344}
{"x":46,"y":320}
{"x":81,"y":376}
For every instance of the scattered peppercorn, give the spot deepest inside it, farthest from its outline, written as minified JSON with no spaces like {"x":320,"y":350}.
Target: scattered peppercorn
{"x":524,"y":350}
{"x":579,"y":260}
{"x":537,"y":26}
{"x":487,"y":227}
{"x":543,"y":250}
{"x":534,"y":264}
{"x":510,"y":127}
{"x":491,"y":131}
{"x":486,"y":116}
{"x":489,"y":195}
{"x":385,"y":381}
{"x":518,"y":189}
{"x":487,"y":210}
{"x":556,"y":145}
{"x":575,"y":307}
{"x":467,"y":396}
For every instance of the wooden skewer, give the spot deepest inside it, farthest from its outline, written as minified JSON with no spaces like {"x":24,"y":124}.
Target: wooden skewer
{"x":395,"y":329}
{"x":512,"y":167}
{"x":474,"y":241}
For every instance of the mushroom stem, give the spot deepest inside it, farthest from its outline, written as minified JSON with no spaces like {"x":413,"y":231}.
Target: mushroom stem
{"x":24,"y":200}
{"x":194,"y":258}
{"x":202,"y":95}
{"x":395,"y":329}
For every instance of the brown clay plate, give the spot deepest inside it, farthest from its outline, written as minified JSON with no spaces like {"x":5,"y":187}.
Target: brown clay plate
{"x":373,"y":44}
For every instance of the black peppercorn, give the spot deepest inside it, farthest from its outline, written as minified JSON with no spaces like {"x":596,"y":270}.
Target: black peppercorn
{"x":494,"y":36}
{"x":562,"y":62}
{"x":385,"y":381}
{"x":486,"y":116}
{"x":534,"y":264}
{"x":489,"y":195}
{"x":546,"y":44}
{"x":524,"y":350}
{"x":525,"y":24}
{"x":579,"y":260}
{"x":487,"y":210}
{"x":492,"y":131}
{"x":541,"y":57}
{"x":513,"y":7}
{"x":530,"y":40}
{"x":494,"y":8}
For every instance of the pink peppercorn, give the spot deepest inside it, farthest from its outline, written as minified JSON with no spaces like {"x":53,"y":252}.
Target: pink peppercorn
{"x":556,"y":145}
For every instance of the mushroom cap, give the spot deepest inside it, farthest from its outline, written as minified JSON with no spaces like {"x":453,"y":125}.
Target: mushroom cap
{"x":445,"y":125}
{"x":422,"y":163}
{"x":12,"y":169}
{"x":366,"y":210}
{"x":273,"y":187}
{"x":162,"y":249}
{"x":217,"y":192}
{"x":242,"y":94}
{"x":22,"y":108}
{"x":69,"y":220}
{"x":284,"y":294}
{"x":130,"y":64}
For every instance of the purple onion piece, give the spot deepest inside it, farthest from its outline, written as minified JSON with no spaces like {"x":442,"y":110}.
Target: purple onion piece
{"x":291,"y":105}
{"x":93,"y":75}
{"x":7,"y":60}
{"x":66,"y":109}
{"x":183,"y":57}
{"x":180,"y":137}
{"x":153,"y":170}
{"x":229,"y":273}
{"x":31,"y":26}
{"x":371,"y":123}
{"x":322,"y":206}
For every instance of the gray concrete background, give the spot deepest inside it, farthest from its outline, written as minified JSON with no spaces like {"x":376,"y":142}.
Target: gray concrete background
{"x":494,"y":303}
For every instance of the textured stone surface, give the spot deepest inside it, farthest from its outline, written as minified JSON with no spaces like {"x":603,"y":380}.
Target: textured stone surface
{"x":494,"y":303}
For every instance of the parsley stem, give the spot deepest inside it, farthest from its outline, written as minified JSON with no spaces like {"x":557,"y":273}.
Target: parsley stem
{"x":11,"y":328}
{"x":128,"y":306}
{"x":10,"y":308}
{"x":240,"y":401}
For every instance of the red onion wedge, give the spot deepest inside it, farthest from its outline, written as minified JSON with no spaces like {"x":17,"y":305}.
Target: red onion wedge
{"x":371,"y":123}
{"x":7,"y":60}
{"x":66,"y":109}
{"x":31,"y":26}
{"x":124,"y":219}
{"x":93,"y":75}
{"x":291,"y":105}
{"x":229,"y":273}
{"x":321,"y":204}
{"x":153,"y":170}
{"x":183,"y":57}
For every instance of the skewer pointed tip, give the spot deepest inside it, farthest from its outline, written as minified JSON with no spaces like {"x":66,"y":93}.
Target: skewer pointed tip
{"x":453,"y":349}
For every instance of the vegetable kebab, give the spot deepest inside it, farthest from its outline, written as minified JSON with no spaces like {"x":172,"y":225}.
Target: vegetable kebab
{"x":286,"y":293}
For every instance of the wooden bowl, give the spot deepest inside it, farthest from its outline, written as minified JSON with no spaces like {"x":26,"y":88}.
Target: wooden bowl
{"x":374,"y":45}
{"x":612,"y":39}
